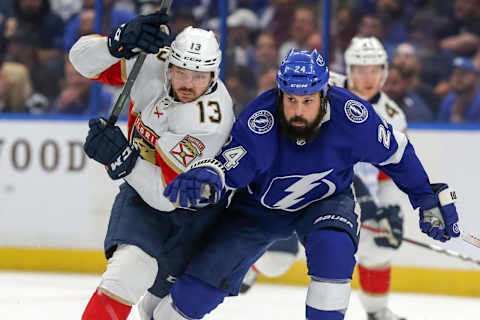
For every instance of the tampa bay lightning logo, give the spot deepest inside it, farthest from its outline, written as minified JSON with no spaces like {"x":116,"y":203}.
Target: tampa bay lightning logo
{"x":261,"y":122}
{"x":320,"y":61}
{"x":356,"y":111}
{"x":292,"y":193}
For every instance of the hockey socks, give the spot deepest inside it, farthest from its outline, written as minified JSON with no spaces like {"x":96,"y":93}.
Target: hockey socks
{"x":375,"y":285}
{"x":103,"y":307}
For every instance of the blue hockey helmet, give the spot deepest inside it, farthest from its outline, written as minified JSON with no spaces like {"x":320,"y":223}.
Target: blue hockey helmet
{"x":303,"y":72}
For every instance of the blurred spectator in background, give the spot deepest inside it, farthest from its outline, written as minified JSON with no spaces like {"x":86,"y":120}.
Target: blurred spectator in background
{"x":304,"y":24}
{"x":393,"y":14}
{"x":462,"y":105}
{"x":75,"y":96}
{"x":370,"y":25}
{"x":242,"y":86}
{"x":277,"y":18}
{"x":267,"y":78}
{"x":408,"y":61}
{"x":66,"y":8}
{"x":241,"y":24}
{"x":344,"y":29}
{"x":399,"y":88}
{"x":35,"y":40}
{"x":15,"y":86}
{"x":466,"y":38}
{"x":83,"y":22}
{"x":315,"y":41}
{"x":6,"y":12}
{"x":426,"y":31}
{"x":266,"y":52}
{"x":180,"y":20}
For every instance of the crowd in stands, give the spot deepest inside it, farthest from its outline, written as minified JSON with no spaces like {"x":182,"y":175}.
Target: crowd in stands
{"x":433,"y":48}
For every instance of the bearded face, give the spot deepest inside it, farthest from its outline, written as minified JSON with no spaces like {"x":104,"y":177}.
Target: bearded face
{"x":300,"y":115}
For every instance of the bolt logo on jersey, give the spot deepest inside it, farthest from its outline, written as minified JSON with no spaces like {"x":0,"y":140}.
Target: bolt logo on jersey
{"x":356,"y":111}
{"x":261,"y":122}
{"x":320,"y":61}
{"x":292,"y":193}
{"x":187,"y":150}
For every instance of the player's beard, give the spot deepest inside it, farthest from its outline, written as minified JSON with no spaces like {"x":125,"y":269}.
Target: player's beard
{"x":309,"y":132}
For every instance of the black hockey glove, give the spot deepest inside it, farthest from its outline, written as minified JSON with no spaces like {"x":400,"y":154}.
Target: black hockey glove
{"x":108,"y":146}
{"x":390,"y":220}
{"x":143,"y":32}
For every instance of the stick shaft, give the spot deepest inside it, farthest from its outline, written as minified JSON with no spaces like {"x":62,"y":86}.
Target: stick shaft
{"x":429,"y":246}
{"x":125,"y":94}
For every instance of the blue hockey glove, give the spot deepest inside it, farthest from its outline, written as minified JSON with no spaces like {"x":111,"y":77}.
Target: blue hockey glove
{"x":440,"y":222}
{"x":143,"y":32}
{"x":108,"y":146}
{"x":389,"y":220}
{"x":195,"y":187}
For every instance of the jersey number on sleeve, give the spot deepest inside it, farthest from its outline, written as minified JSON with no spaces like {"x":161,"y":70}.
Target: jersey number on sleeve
{"x":233,"y":156}
{"x":384,"y":136}
{"x":216,"y":117}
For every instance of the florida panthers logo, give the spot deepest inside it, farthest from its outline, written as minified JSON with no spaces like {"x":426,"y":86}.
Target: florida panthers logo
{"x":292,"y":193}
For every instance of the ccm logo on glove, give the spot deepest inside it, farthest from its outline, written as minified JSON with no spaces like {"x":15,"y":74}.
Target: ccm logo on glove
{"x":122,"y":158}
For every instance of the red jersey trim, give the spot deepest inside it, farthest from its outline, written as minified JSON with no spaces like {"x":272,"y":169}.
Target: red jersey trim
{"x":169,"y":169}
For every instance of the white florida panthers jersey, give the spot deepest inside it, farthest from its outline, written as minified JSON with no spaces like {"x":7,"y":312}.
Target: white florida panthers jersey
{"x":393,"y":114}
{"x":171,"y":135}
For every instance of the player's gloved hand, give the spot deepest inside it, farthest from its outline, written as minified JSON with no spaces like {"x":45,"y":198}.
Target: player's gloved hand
{"x":143,"y":32}
{"x":195,"y":187}
{"x":390,"y":220}
{"x":108,"y":145}
{"x":440,"y":222}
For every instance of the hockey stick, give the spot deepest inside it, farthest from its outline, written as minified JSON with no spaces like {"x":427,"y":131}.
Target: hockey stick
{"x":431,"y":246}
{"x":117,"y":108}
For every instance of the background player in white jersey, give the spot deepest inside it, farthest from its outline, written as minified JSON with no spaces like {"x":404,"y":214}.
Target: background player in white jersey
{"x":180,"y":113}
{"x":367,"y":69}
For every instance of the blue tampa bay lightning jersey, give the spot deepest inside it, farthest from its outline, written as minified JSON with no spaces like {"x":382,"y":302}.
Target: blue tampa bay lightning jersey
{"x":287,"y":176}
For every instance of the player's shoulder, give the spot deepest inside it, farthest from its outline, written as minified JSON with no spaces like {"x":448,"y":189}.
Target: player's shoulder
{"x":391,"y":111}
{"x":347,"y":108}
{"x":155,"y":63}
{"x":220,"y":93}
{"x":337,"y":79}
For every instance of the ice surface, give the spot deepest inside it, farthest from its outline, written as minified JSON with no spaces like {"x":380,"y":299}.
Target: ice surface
{"x":52,"y":296}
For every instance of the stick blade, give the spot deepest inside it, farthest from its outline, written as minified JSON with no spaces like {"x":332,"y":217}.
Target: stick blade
{"x":471,"y":239}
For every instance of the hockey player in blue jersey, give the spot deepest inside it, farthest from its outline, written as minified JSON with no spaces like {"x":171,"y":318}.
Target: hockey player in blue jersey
{"x":290,"y":160}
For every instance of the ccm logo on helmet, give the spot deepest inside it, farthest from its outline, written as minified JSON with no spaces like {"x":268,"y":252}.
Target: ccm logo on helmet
{"x":192,"y":59}
{"x":298,"y":85}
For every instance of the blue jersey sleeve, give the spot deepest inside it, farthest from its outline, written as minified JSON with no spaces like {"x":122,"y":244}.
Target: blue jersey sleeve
{"x":249,"y":151}
{"x":375,"y":141}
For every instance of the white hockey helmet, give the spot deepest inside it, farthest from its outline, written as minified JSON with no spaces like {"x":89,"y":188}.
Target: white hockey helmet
{"x":198,"y":50}
{"x":365,"y":52}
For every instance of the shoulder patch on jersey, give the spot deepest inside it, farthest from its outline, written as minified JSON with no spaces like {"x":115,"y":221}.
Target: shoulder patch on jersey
{"x":261,"y":122}
{"x":187,"y":150}
{"x":356,"y":111}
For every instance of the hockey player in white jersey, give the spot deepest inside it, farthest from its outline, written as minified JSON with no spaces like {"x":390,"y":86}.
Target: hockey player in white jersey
{"x":367,"y":70}
{"x":180,"y":112}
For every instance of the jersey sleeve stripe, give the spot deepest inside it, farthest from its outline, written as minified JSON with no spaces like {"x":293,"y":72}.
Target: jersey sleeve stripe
{"x":169,"y":169}
{"x":402,"y":144}
{"x":113,"y":75}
